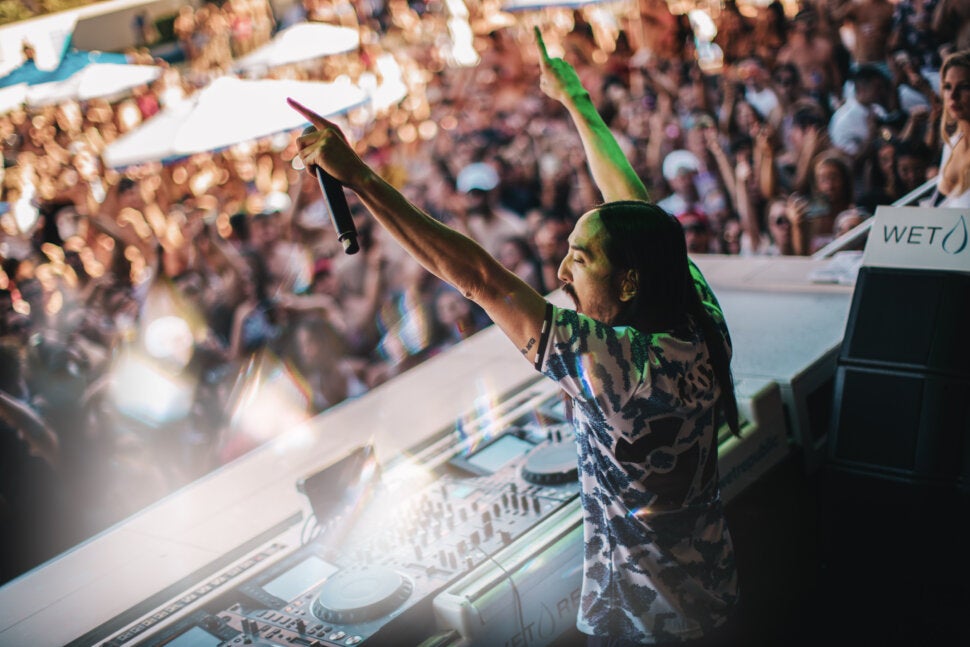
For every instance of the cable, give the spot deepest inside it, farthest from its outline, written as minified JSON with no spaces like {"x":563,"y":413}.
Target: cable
{"x":314,"y":529}
{"x":519,"y":611}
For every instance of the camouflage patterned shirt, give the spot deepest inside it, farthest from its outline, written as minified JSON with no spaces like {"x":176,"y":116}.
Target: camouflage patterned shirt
{"x":659,"y":563}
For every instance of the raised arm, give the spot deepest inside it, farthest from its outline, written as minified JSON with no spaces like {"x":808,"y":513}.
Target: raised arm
{"x":456,"y":259}
{"x":612,"y":172}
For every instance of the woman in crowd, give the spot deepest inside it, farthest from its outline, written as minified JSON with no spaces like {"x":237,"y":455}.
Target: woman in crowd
{"x":813,"y":216}
{"x":953,"y":189}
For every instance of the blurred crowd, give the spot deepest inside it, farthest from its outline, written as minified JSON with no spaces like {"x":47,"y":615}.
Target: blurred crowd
{"x":158,"y":321}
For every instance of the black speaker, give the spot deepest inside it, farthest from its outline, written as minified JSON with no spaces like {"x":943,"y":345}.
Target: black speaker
{"x":902,"y":393}
{"x":909,"y":319}
{"x":896,"y":480}
{"x":900,"y":425}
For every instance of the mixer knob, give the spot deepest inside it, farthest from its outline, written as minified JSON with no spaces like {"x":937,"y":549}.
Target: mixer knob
{"x":505,"y":500}
{"x":513,"y":487}
{"x":486,"y":516}
{"x":488,"y":529}
{"x":452,"y":561}
{"x":475,"y":538}
{"x":506,"y":536}
{"x":536,"y":504}
{"x":497,"y":510}
{"x":525,"y":503}
{"x":300,"y":626}
{"x":462,"y":515}
{"x":474,"y":506}
{"x":462,"y":547}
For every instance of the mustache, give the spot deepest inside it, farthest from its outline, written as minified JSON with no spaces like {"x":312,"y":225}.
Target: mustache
{"x":569,"y":290}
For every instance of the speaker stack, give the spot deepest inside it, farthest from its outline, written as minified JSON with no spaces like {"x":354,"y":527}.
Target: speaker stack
{"x":895,"y":487}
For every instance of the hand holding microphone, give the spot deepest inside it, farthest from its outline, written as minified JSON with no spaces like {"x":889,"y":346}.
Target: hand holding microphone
{"x":333,"y":195}
{"x":332,"y":189}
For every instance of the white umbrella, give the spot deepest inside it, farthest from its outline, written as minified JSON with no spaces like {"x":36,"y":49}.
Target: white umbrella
{"x":94,"y":81}
{"x":300,"y":42}
{"x":151,"y":141}
{"x":227,"y":112}
{"x":12,"y":97}
{"x":109,"y":79}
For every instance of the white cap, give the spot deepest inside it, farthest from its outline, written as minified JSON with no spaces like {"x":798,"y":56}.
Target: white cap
{"x":479,"y":175}
{"x":677,"y":161}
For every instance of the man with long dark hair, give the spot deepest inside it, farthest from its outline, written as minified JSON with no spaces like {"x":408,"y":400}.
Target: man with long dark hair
{"x":644,"y":359}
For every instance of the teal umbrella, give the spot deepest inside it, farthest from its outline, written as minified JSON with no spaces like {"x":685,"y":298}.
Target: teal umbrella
{"x":72,"y":61}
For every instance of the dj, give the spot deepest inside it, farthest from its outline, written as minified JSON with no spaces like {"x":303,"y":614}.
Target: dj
{"x":644,"y":359}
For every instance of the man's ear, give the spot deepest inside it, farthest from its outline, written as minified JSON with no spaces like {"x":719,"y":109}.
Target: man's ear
{"x":629,"y":285}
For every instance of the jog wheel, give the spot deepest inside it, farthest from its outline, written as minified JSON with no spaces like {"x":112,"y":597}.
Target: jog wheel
{"x":361,"y":594}
{"x":552,"y":464}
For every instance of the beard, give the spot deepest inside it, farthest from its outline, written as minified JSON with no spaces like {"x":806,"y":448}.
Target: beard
{"x":605,"y":308}
{"x":571,"y":293}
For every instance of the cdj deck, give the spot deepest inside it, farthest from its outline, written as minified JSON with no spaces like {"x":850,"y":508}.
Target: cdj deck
{"x":386,"y":541}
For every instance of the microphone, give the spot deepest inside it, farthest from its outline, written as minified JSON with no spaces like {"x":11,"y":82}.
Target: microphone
{"x":333,"y":195}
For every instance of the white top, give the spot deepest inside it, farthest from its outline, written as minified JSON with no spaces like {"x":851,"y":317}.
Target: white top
{"x":849,"y":127}
{"x":764,"y":101}
{"x":959,"y":201}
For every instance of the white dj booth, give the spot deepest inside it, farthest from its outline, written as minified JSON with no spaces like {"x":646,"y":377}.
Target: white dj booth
{"x":169,"y":574}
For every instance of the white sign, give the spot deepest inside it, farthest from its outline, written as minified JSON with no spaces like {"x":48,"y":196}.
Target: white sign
{"x":923,"y":238}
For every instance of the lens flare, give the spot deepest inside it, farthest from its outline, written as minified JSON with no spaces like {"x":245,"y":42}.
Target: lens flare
{"x":142,"y":390}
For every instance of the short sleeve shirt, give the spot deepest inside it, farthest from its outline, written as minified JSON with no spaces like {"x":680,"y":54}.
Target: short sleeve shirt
{"x":659,"y":563}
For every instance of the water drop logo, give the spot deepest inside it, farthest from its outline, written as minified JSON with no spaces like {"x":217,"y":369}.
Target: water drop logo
{"x":547,"y":622}
{"x":955,"y":240}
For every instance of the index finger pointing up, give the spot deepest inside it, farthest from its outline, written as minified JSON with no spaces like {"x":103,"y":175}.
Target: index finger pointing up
{"x":543,"y":53}
{"x":311,"y":116}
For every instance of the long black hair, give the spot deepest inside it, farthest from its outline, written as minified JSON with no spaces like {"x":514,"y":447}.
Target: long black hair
{"x":643,"y":237}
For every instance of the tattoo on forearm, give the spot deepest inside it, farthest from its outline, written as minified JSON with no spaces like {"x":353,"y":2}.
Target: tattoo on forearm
{"x":529,"y":345}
